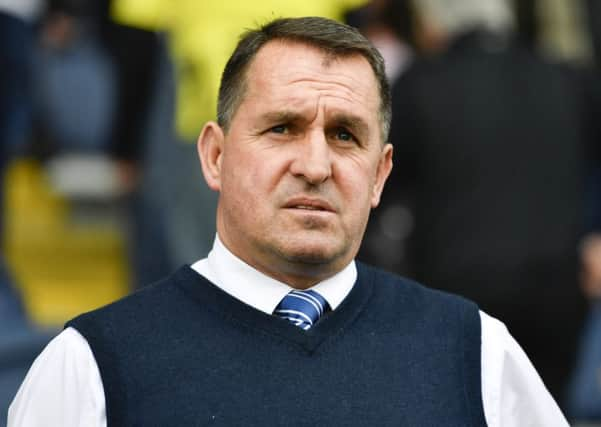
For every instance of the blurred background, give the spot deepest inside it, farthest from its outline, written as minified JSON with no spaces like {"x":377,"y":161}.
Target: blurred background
{"x":495,"y":193}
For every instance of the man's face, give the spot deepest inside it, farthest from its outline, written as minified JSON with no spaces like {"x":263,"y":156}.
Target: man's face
{"x":301,"y":165}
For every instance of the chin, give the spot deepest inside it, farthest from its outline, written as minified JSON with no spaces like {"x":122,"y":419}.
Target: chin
{"x":313,"y":253}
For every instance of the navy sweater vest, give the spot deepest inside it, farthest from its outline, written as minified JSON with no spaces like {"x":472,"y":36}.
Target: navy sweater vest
{"x":184,"y":353}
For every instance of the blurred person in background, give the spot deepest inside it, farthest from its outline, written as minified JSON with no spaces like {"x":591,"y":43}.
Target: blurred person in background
{"x":84,"y":54}
{"x":387,"y":24}
{"x":16,"y":45}
{"x":380,"y":22}
{"x":583,"y":401}
{"x":19,"y":341}
{"x":584,"y":393}
{"x":136,"y":55}
{"x":491,"y":147}
{"x":17,"y":41}
{"x":48,"y":75}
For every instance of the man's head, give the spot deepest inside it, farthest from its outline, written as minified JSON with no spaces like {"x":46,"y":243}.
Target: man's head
{"x":298,"y":156}
{"x":334,"y":39}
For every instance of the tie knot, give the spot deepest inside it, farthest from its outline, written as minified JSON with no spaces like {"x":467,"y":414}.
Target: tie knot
{"x":303,"y":308}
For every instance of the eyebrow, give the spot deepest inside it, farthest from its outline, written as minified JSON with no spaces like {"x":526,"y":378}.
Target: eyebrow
{"x":282,"y":117}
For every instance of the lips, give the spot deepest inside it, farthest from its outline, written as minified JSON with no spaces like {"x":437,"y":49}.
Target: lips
{"x":309,"y":204}
{"x":309,"y":208}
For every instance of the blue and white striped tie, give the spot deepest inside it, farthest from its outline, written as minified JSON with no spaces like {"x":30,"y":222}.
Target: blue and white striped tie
{"x":303,"y":308}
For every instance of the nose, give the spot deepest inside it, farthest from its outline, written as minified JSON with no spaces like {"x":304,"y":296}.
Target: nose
{"x":312,"y":160}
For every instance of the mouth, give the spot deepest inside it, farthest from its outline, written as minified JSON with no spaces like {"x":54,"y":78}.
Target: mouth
{"x":309,"y":204}
{"x":308,"y":208}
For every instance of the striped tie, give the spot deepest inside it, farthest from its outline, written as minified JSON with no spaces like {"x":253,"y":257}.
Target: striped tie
{"x":303,"y":308}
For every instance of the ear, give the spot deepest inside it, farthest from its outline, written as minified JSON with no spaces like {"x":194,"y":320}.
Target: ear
{"x":384,"y":168}
{"x":210,"y":151}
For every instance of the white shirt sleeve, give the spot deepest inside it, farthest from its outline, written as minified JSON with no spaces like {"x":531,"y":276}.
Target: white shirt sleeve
{"x":62,"y":388}
{"x":513,"y":394}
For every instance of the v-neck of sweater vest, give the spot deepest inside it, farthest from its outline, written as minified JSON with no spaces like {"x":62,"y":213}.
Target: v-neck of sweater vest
{"x":333,"y":323}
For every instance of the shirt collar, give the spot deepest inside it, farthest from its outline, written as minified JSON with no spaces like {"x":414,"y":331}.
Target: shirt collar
{"x":240,"y":280}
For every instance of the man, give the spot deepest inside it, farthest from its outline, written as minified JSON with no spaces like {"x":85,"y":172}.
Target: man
{"x":299,"y":159}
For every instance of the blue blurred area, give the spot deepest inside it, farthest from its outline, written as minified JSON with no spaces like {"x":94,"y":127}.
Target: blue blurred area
{"x":75,"y":90}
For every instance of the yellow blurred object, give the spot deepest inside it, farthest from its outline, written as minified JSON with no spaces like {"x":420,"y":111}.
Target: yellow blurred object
{"x":61,"y":268}
{"x":202,"y":35}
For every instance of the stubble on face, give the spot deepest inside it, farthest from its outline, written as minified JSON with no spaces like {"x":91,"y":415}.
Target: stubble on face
{"x":267,"y":181}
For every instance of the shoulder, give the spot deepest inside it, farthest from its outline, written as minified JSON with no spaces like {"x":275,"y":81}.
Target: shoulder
{"x":151,"y":300}
{"x":507,"y":373}
{"x":402,"y":302}
{"x":392,"y":284}
{"x":150,"y":312}
{"x":62,"y":384}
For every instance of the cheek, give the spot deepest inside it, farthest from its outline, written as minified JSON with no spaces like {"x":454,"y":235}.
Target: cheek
{"x":355,"y":183}
{"x":251,"y":179}
{"x":356,"y":177}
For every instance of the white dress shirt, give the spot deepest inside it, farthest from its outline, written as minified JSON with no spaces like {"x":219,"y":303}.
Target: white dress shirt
{"x":64,"y":387}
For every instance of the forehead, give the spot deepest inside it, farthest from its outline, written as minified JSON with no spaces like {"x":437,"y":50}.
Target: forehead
{"x":296,"y":73}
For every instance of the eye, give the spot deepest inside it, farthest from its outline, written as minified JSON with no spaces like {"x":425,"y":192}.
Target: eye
{"x":279,"y":129}
{"x":342,"y":134}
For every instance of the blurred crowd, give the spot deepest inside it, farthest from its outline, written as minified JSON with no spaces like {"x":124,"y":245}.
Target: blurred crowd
{"x":495,"y":192}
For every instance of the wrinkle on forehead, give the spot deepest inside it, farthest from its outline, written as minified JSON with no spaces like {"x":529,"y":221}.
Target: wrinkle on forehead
{"x":324,"y":79}
{"x":351,"y":81}
{"x":350,"y":89}
{"x":304,"y":55}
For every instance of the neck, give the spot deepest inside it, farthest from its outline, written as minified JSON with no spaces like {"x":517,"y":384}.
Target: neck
{"x":296,"y":273}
